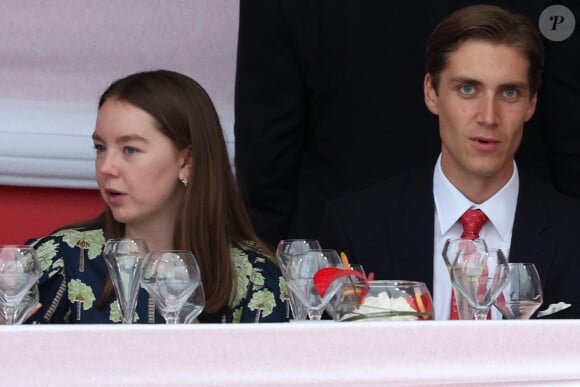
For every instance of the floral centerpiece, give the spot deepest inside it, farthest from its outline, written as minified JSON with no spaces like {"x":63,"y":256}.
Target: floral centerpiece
{"x":363,"y":298}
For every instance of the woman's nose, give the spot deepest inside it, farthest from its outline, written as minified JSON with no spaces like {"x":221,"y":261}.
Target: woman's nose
{"x":106,"y":164}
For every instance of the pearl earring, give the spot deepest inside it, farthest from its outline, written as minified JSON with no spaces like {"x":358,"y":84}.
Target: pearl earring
{"x":184,"y":181}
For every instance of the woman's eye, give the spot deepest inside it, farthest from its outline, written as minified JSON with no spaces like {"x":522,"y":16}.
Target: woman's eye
{"x":130,"y":150}
{"x":99,"y":148}
{"x":467,"y":89}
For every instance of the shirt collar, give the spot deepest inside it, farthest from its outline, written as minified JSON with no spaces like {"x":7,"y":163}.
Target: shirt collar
{"x":450,"y":203}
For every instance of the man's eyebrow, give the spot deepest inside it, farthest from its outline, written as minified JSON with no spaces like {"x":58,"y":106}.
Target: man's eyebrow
{"x":515,"y":85}
{"x":507,"y":85}
{"x":471,"y":81}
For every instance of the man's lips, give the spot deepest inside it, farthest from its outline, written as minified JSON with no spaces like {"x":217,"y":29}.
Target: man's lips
{"x":485,"y":140}
{"x":485,"y":144}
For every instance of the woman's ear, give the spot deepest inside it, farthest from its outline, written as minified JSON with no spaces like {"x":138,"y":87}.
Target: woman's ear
{"x":186,"y":160}
{"x":431,"y":97}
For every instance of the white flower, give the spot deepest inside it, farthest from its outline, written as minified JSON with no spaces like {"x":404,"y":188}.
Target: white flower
{"x":383,"y":303}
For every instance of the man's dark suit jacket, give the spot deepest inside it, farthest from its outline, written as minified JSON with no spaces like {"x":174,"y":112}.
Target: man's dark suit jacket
{"x":329,"y":100}
{"x":389,"y":227}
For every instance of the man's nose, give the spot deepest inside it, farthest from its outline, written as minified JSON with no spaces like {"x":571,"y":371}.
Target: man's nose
{"x":488,"y":111}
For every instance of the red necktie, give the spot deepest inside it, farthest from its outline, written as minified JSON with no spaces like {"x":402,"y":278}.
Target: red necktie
{"x":472,"y":222}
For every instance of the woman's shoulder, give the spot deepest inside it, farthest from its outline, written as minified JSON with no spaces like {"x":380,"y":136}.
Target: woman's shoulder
{"x":259,"y":287}
{"x":251,"y":252}
{"x":88,"y":238}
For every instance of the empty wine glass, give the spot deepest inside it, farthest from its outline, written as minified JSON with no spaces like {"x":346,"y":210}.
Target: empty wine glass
{"x":450,"y":251}
{"x":299,"y":274}
{"x":452,"y":246}
{"x":522,"y":296}
{"x":171,"y":277}
{"x":349,"y":280}
{"x":27,"y":304}
{"x":19,"y":271}
{"x":23,"y":309}
{"x":193,"y":306}
{"x":480,"y":277}
{"x":124,"y":259}
{"x":286,"y":248}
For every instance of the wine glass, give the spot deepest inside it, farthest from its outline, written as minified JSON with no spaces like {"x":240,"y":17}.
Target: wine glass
{"x":23,"y":309}
{"x":286,"y":248}
{"x":480,"y":276}
{"x":27,"y":304}
{"x":19,"y":271}
{"x":450,"y":251}
{"x":193,"y":306}
{"x":350,"y":283}
{"x":523,"y":294}
{"x":124,"y":258}
{"x":299,"y":274}
{"x":171,"y":277}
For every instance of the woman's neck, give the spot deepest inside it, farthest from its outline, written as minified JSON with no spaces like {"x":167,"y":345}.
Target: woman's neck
{"x":157,"y":238}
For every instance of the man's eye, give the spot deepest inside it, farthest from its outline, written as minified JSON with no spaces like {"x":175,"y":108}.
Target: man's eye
{"x":467,"y":89}
{"x":510,"y":93}
{"x":99,"y":148}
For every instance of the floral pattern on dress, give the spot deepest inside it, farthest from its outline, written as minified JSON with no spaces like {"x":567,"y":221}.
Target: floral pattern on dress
{"x":75,"y":274}
{"x":91,"y":241}
{"x":81,"y":295}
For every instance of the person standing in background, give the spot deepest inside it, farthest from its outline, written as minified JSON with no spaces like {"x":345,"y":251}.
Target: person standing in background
{"x":328,"y":101}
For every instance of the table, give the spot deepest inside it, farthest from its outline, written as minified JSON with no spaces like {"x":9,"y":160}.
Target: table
{"x":482,"y":353}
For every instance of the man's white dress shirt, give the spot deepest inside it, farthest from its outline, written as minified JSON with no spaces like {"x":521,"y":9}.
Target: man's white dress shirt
{"x":450,"y":204}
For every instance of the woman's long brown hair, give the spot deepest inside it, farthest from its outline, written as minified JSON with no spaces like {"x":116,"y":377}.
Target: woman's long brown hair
{"x":212,"y":215}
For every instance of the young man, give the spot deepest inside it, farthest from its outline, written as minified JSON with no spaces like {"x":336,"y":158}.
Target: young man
{"x":483,"y":72}
{"x":327,"y":102}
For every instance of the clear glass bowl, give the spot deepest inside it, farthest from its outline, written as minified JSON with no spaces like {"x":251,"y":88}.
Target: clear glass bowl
{"x":383,"y":300}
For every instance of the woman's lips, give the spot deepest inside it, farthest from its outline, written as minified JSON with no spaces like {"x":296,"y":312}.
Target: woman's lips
{"x":114,"y":197}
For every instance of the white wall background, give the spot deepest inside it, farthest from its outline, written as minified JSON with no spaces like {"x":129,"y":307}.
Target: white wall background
{"x":58,"y":56}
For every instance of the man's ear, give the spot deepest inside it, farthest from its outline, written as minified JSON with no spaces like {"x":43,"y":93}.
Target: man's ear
{"x":531,"y":107}
{"x":431,"y":97}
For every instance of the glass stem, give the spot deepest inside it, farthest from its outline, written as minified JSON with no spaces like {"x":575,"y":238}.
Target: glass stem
{"x":172,"y":318}
{"x":315,"y":314}
{"x":480,"y":314}
{"x":9,"y":312}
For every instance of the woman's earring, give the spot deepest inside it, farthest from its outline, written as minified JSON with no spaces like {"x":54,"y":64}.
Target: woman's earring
{"x":185,"y":181}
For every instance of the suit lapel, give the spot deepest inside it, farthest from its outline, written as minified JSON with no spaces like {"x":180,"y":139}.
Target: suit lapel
{"x":531,"y":221}
{"x":411,"y":232}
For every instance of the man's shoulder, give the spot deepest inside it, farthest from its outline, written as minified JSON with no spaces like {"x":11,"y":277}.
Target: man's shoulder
{"x":544,"y":196}
{"x":389,"y":191}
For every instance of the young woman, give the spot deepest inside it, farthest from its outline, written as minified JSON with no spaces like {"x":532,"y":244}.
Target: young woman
{"x":162,"y":168}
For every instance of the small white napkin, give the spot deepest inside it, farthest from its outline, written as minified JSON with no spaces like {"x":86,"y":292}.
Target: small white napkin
{"x":553,"y":308}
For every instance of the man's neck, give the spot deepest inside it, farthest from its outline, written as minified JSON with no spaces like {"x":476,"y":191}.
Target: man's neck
{"x":477,"y":188}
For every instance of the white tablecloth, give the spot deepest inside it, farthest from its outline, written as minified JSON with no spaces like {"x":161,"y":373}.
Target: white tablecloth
{"x":496,"y":353}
